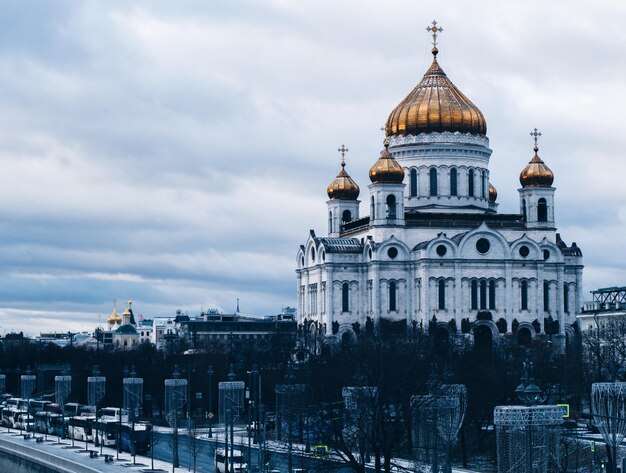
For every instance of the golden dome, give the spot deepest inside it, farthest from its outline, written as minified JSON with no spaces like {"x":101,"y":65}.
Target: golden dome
{"x":493,"y":193}
{"x":435,"y":104}
{"x":536,"y":173}
{"x":343,"y":187}
{"x":386,"y":169}
{"x":126,"y":313}
{"x":114,"y":318}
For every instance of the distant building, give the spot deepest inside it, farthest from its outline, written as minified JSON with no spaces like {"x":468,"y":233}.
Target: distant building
{"x":213,"y":327}
{"x":121,"y":329}
{"x":608,"y":303}
{"x":210,"y":327}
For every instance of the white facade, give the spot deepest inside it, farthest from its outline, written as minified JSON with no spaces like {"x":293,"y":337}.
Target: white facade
{"x":442,"y":250}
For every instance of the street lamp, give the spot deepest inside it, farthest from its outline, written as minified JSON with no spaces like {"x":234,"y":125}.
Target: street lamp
{"x":527,"y":391}
{"x":210,"y":374}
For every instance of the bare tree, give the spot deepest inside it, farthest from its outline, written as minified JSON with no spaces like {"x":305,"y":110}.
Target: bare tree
{"x":194,"y":444}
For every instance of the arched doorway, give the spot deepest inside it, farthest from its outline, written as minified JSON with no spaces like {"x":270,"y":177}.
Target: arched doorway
{"x":483,"y":341}
{"x":524,"y":337}
{"x":441,"y":342}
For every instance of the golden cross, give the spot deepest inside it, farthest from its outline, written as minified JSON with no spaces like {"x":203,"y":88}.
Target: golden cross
{"x":434,"y":29}
{"x":535,"y":134}
{"x":343,"y":150}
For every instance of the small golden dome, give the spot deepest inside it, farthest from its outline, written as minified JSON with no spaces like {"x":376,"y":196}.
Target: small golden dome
{"x":536,"y":173}
{"x":435,"y":105}
{"x":114,"y":318}
{"x":343,"y":187}
{"x":386,"y":169}
{"x":493,"y":193}
{"x":126,"y":313}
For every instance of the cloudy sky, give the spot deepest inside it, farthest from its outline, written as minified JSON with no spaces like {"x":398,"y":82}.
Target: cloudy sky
{"x":178,"y":152}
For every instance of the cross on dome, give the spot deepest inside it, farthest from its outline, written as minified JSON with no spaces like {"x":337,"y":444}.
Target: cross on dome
{"x":343,"y":150}
{"x":434,"y":29}
{"x":535,"y":134}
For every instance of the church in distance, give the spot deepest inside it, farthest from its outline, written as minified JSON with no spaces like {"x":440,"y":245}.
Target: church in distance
{"x":434,"y":247}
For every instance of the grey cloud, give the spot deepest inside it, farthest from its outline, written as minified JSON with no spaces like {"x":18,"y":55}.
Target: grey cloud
{"x":179,"y":152}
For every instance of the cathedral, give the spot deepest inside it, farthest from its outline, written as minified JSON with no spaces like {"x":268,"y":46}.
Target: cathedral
{"x":434,"y":248}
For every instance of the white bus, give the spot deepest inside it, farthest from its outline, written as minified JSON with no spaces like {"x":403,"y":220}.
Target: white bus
{"x":107,"y":432}
{"x":236,"y":461}
{"x":81,"y":428}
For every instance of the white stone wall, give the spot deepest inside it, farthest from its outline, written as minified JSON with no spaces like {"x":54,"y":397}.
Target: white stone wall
{"x":416,"y":274}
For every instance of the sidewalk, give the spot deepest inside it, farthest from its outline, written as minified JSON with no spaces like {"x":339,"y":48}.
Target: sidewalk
{"x":75,"y":459}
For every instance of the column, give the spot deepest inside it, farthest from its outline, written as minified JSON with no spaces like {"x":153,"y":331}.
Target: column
{"x":508,"y":295}
{"x":458,"y":295}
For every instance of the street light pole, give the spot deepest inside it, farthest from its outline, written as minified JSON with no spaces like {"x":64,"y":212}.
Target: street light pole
{"x":210,"y":373}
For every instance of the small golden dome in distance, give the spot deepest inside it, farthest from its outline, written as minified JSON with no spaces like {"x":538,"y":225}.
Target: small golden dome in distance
{"x":114,"y":318}
{"x":536,"y":173}
{"x":343,"y":186}
{"x":126,"y":312}
{"x":386,"y":169}
{"x":493,"y":193}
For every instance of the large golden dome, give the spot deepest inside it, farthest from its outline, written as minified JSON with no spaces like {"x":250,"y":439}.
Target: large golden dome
{"x":435,"y":104}
{"x":386,"y":169}
{"x":343,"y":186}
{"x":536,"y":173}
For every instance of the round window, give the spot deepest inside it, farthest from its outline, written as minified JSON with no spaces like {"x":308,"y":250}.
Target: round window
{"x":482,"y":245}
{"x":442,"y":250}
{"x":546,"y":254}
{"x":312,"y":254}
{"x":524,"y":251}
{"x":392,"y":252}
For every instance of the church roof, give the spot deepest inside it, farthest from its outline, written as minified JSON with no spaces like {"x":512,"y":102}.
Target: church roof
{"x":456,"y":239}
{"x":126,"y":330}
{"x":340,"y":245}
{"x":422,"y":245}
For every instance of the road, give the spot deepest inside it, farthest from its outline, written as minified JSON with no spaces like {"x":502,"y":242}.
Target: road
{"x":205,"y":456}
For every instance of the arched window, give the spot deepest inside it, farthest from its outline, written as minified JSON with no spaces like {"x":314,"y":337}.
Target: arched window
{"x":470,"y":183}
{"x":492,"y":295}
{"x":524,"y":209}
{"x":413,"y":178}
{"x":453,"y":181}
{"x":346,"y":216}
{"x":483,"y":295}
{"x":542,"y":210}
{"x":392,"y":296}
{"x":372,"y":209}
{"x":442,"y":294}
{"x":433,"y":182}
{"x":524,"y":294}
{"x":566,"y":298}
{"x":391,"y":206}
{"x":345,"y":297}
{"x":474,"y":296}
{"x":546,"y":296}
{"x":330,"y":222}
{"x":483,"y":179}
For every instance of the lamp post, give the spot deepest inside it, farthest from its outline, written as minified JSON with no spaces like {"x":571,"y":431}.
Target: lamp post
{"x":527,"y":391}
{"x":210,"y":374}
{"x":530,"y":394}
